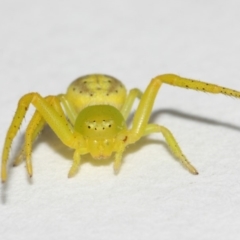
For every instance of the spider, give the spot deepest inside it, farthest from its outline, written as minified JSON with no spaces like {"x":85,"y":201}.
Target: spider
{"x":91,"y":118}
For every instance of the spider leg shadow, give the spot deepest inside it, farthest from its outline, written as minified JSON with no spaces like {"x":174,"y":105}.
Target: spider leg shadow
{"x":15,"y":150}
{"x":49,"y":137}
{"x":192,"y":117}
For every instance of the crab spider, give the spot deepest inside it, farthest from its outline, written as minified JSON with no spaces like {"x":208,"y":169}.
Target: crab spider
{"x":91,"y":118}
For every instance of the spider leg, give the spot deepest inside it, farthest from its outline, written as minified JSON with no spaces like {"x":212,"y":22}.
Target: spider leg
{"x":172,"y":143}
{"x":141,"y":117}
{"x":178,"y":81}
{"x":34,"y":128}
{"x":69,"y":109}
{"x":127,"y":106}
{"x":144,"y":109}
{"x":76,"y":162}
{"x":53,"y":118}
{"x":118,"y":158}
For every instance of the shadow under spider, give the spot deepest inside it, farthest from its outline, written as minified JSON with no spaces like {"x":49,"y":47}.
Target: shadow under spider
{"x":192,"y":117}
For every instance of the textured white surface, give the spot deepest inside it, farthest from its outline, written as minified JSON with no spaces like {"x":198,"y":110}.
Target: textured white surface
{"x":46,"y":44}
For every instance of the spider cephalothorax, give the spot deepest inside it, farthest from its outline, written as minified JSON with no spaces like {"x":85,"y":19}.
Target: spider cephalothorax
{"x":91,"y":118}
{"x":101,"y":126}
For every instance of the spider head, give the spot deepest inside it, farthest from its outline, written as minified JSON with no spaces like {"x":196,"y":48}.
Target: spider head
{"x":100,"y":125}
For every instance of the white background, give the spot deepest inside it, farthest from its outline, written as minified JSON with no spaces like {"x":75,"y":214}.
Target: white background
{"x":44,"y":45}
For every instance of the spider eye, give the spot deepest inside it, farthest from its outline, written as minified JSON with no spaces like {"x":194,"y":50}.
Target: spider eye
{"x":99,"y":125}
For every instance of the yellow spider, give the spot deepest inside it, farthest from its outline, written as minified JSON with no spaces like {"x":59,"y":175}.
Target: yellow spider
{"x":91,"y":118}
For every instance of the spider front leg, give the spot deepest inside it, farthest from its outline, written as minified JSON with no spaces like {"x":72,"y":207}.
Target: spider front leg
{"x":34,"y":128}
{"x":51,"y":116}
{"x":140,"y":122}
{"x":187,"y":83}
{"x":145,"y":106}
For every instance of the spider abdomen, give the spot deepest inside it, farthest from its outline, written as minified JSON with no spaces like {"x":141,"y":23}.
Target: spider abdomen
{"x":96,"y":89}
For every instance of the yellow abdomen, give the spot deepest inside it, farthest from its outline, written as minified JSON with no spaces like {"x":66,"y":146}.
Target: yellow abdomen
{"x":96,"y":89}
